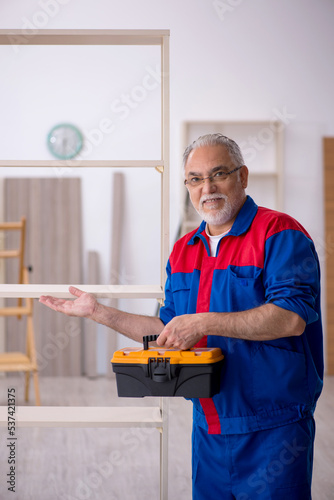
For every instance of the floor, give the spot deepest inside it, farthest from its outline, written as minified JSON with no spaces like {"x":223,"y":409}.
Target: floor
{"x":121,"y":464}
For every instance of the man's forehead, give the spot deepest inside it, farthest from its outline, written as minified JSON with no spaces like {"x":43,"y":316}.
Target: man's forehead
{"x":208,"y":156}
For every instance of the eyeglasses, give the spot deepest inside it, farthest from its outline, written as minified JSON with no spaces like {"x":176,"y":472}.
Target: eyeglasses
{"x":215,"y":178}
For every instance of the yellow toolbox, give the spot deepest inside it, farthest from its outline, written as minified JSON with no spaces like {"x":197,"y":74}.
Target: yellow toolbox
{"x":156,"y":371}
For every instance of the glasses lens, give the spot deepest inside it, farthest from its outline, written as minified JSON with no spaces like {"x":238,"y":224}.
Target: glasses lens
{"x":218,"y":176}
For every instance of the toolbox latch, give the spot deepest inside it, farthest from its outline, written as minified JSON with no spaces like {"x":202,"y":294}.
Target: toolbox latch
{"x":159,"y":369}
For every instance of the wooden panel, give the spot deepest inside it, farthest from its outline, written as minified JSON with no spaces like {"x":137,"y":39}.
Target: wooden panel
{"x":328,"y":148}
{"x":115,"y":257}
{"x":53,"y":250}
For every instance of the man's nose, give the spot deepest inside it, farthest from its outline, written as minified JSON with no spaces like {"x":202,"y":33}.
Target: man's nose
{"x":208,"y":186}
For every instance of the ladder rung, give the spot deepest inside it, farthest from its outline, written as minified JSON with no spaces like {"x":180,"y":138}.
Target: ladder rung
{"x":15,"y":311}
{"x":7,"y":226}
{"x":9,"y":253}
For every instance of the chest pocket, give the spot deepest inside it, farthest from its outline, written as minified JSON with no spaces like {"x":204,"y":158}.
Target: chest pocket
{"x":246,"y":285}
{"x":181,"y":285}
{"x":237,"y":289}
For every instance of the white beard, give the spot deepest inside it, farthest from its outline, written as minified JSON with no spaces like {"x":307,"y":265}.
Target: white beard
{"x":222,"y":216}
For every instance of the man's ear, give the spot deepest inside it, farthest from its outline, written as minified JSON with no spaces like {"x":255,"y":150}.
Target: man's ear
{"x":244,"y":176}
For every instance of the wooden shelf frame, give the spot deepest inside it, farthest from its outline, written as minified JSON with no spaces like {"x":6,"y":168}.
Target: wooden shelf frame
{"x":105,"y":417}
{"x":106,"y":37}
{"x":157,"y":164}
{"x":83,"y":37}
{"x":100,"y":417}
{"x":100,"y":291}
{"x":85,"y":416}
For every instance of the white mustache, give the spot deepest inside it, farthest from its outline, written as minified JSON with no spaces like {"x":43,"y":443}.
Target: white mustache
{"x":207,"y":197}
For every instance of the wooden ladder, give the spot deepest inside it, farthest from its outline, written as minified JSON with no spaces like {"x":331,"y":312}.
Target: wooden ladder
{"x":20,"y":361}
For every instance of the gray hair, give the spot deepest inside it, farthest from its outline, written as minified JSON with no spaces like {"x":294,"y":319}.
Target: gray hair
{"x":215,"y":140}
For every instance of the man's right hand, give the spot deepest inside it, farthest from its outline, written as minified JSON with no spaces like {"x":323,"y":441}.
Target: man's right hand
{"x":84,"y":305}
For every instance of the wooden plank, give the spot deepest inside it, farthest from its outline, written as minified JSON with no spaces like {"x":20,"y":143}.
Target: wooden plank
{"x":165,"y":154}
{"x":328,"y":189}
{"x":117,"y":224}
{"x":328,"y":150}
{"x":330,"y":212}
{"x":329,"y":184}
{"x":77,"y":416}
{"x":330,"y":231}
{"x":82,"y":37}
{"x":330,"y":367}
{"x":330,"y":204}
{"x":100,"y":291}
{"x":83,"y":163}
{"x":115,"y":257}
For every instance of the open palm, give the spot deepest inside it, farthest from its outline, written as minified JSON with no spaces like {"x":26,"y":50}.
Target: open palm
{"x":83,"y":306}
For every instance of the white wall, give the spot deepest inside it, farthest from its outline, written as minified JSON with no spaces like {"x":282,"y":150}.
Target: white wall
{"x":233,"y":60}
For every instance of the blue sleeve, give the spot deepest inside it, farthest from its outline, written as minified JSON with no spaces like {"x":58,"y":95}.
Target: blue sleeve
{"x":167,"y":311}
{"x":292,"y":273}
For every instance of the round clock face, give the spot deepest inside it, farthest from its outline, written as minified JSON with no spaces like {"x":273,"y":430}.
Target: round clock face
{"x":65,"y":141}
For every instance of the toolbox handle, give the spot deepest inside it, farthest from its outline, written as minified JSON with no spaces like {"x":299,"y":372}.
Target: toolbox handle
{"x":147,"y":339}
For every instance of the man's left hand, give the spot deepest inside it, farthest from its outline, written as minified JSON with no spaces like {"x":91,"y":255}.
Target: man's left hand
{"x":182,"y":332}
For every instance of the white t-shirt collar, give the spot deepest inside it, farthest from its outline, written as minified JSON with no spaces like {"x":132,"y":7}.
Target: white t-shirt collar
{"x":214,"y":240}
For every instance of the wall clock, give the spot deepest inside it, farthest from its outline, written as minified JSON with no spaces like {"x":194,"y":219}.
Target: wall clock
{"x":65,"y":141}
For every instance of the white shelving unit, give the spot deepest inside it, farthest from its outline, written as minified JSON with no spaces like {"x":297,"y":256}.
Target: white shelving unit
{"x":261,"y":142}
{"x":93,"y":416}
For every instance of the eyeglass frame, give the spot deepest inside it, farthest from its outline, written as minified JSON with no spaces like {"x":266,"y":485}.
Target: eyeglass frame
{"x":211,"y":177}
